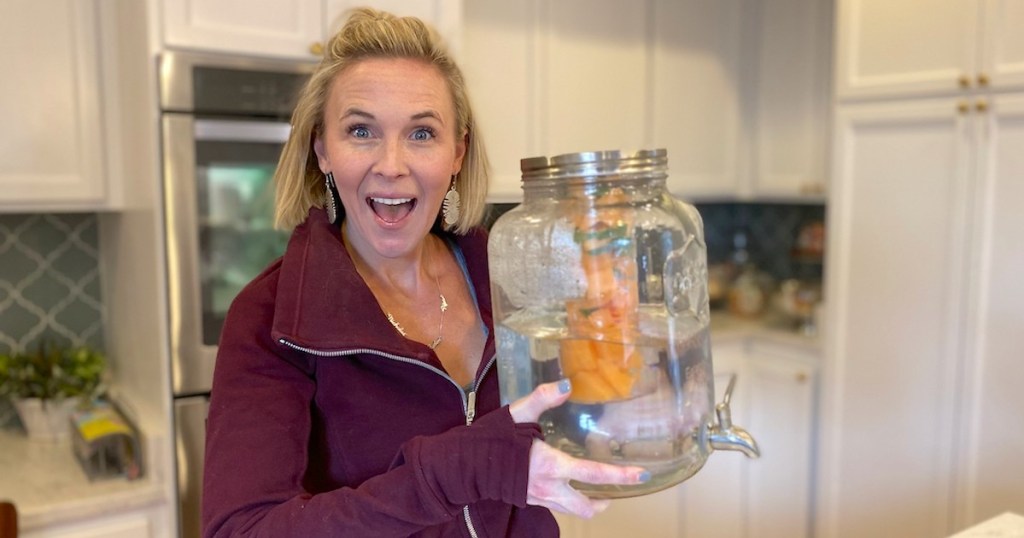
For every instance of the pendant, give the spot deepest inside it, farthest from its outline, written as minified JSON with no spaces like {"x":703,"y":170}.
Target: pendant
{"x":395,"y":324}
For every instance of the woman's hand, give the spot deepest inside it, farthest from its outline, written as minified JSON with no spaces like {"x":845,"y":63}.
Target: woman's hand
{"x":551,"y":469}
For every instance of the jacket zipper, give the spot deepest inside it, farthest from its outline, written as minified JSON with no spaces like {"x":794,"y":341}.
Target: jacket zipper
{"x":468,"y":402}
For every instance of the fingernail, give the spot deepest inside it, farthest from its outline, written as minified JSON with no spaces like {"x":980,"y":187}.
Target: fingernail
{"x":564,"y":386}
{"x":644,"y":476}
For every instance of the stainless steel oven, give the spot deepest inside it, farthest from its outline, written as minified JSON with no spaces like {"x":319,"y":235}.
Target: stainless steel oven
{"x":224,"y":122}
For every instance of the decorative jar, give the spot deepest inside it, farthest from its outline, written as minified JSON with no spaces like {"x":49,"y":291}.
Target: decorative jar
{"x":600,"y":276}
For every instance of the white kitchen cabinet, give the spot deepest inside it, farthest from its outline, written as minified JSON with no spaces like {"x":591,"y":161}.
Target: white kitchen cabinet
{"x":499,"y":63}
{"x":895,"y":281}
{"x":782,"y":384}
{"x":283,"y":28}
{"x":775,"y":400}
{"x":593,"y":83}
{"x":52,"y":143}
{"x":991,"y":478}
{"x":788,"y":50}
{"x":255,"y":27}
{"x":550,"y":77}
{"x":916,"y":211}
{"x":712,"y":502}
{"x":889,"y":49}
{"x":1002,"y":45}
{"x":696,"y":94}
{"x":732,"y":496}
{"x":444,"y":15}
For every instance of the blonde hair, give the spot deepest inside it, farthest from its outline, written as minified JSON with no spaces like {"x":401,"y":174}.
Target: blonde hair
{"x":369,"y":33}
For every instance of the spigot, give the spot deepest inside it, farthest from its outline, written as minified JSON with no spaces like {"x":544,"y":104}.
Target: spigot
{"x":726,"y":436}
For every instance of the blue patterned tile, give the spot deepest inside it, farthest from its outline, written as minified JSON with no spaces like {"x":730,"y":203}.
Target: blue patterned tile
{"x":49,"y":281}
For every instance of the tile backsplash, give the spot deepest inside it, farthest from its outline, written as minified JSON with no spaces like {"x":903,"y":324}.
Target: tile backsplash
{"x":770,"y":232}
{"x":49,"y":281}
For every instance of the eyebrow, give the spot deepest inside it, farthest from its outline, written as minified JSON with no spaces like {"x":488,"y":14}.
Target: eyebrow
{"x":362,"y":113}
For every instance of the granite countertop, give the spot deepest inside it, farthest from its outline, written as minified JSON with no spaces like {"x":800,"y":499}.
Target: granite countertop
{"x":48,"y":486}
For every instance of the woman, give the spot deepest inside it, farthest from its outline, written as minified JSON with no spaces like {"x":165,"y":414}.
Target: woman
{"x":355,"y":392}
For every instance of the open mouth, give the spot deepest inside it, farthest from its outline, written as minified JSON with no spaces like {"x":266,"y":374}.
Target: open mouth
{"x":391,"y":210}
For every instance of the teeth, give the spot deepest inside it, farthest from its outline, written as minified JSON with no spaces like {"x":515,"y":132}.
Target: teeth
{"x":391,"y":201}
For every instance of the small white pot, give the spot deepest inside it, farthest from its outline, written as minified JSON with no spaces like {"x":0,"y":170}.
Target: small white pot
{"x":48,"y":420}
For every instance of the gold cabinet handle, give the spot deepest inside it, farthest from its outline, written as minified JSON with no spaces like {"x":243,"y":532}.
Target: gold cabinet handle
{"x":801,"y":378}
{"x":982,"y":80}
{"x":964,"y":81}
{"x":981,"y":106}
{"x":963,"y":107}
{"x":316,"y":49}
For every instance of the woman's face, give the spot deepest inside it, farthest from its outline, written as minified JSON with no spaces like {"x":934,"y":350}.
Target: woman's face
{"x":390,"y":139}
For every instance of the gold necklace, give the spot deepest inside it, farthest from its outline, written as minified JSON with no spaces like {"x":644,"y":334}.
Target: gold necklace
{"x":440,"y":325}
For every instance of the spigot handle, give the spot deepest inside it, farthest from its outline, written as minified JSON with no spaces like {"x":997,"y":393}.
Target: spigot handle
{"x":725,"y":435}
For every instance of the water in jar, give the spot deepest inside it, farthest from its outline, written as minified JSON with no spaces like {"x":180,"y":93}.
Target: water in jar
{"x":656,"y":418}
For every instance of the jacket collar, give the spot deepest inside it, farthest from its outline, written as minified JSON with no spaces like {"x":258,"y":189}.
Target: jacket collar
{"x":324,"y":304}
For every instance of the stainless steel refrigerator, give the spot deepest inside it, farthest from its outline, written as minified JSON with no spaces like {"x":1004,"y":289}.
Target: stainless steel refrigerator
{"x":224,"y":121}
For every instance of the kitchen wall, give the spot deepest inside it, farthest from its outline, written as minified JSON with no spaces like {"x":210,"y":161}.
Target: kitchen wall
{"x":49,"y":281}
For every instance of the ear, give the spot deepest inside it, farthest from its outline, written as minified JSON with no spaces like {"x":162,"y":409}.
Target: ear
{"x":321,"y":154}
{"x":460,"y":152}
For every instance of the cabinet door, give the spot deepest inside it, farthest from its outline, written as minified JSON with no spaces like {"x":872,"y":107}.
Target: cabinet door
{"x":895,"y":283}
{"x":791,"y":51}
{"x":499,"y":63}
{"x":285,"y":28}
{"x":886,"y":48}
{"x":51,"y":149}
{"x":695,"y":93}
{"x":994,"y":477}
{"x":444,"y":15}
{"x":592,"y":77}
{"x":1003,"y":43}
{"x":782,"y":390}
{"x":713,"y":498}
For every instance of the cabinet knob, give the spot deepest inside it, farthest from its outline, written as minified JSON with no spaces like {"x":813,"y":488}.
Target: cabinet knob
{"x":964,"y":81}
{"x":982,"y":80}
{"x":963,"y":107}
{"x":981,"y":106}
{"x":801,"y":378}
{"x":316,"y":49}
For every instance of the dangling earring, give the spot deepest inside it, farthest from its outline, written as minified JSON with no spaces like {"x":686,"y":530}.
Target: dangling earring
{"x":332,"y":201}
{"x":450,"y":208}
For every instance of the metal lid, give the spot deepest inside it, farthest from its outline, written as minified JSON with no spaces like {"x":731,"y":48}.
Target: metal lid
{"x":596,"y":164}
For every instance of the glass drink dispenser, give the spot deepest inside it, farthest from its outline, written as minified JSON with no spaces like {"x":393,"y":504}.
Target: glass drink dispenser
{"x":600,"y":276}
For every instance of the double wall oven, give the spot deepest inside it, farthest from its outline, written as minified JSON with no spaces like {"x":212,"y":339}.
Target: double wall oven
{"x":224,"y":123}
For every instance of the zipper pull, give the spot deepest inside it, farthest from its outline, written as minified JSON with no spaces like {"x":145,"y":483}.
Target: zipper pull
{"x":470,"y":407}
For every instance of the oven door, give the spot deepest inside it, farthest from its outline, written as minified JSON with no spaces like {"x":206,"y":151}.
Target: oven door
{"x":219,"y":202}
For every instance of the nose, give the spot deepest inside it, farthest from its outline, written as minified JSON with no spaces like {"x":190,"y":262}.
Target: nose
{"x":391,"y":159}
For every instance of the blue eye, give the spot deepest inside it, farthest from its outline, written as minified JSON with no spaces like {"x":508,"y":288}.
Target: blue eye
{"x":422,"y":135}
{"x":359,"y":131}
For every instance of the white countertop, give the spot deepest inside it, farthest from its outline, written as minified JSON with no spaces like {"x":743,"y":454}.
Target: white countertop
{"x":1005,"y":525}
{"x":48,"y":486}
{"x":726,"y":327}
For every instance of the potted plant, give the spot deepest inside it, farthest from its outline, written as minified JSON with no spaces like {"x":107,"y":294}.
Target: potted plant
{"x":45,"y":385}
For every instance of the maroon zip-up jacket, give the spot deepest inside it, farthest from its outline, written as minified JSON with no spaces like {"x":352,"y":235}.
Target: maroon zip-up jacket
{"x":324,"y":422}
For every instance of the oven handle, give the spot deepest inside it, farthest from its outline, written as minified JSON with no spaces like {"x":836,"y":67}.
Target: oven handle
{"x":274,"y":132}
